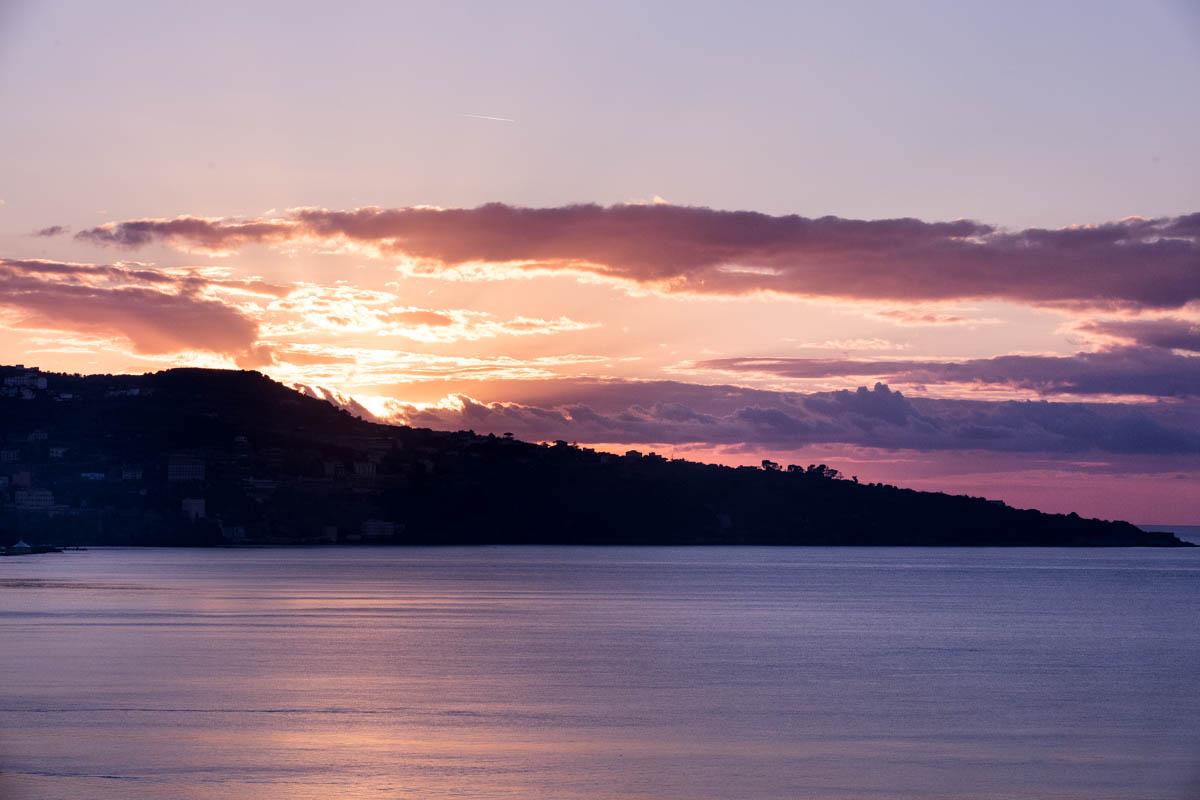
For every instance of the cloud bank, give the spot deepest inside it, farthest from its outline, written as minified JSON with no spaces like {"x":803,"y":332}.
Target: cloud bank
{"x":247,"y":320}
{"x":342,"y":310}
{"x":667,"y":412}
{"x":1169,"y":334}
{"x":157,"y":312}
{"x":1133,"y":263}
{"x":1139,"y":371}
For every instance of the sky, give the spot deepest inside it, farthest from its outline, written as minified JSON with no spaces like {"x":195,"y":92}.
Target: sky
{"x":951,"y":246}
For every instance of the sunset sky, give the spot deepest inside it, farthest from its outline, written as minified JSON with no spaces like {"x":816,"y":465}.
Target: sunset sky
{"x":961,"y":254}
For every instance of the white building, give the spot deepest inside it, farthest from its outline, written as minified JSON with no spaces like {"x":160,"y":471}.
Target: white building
{"x":33,"y":499}
{"x":185,"y":468}
{"x":193,"y":508}
{"x":378,"y":529}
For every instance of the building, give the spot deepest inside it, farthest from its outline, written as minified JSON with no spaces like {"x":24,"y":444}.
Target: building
{"x":92,"y":476}
{"x":378,"y":529}
{"x":26,"y":380}
{"x":193,"y":508}
{"x":378,"y":449}
{"x":58,"y":452}
{"x":260,"y":488}
{"x":33,"y":499}
{"x":234,"y":534}
{"x":184,"y":467}
{"x":273,"y":456}
{"x":364,"y":469}
{"x":9,"y":455}
{"x":131,"y":473}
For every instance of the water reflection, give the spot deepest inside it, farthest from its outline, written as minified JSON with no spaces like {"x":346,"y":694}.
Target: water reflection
{"x":599,"y":673}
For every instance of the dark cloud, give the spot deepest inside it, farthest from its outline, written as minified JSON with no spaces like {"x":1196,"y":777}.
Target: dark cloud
{"x":155,"y":312}
{"x":195,"y":231}
{"x":1142,"y":371}
{"x":665,"y":412}
{"x":70,"y":272}
{"x":53,"y":230}
{"x":77,"y":273}
{"x":1132,"y":262}
{"x":1169,"y":334}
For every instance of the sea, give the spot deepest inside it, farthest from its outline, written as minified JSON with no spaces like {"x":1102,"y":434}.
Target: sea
{"x":560,"y":673}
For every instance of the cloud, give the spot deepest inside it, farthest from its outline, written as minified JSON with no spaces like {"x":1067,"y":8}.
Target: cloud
{"x":208,"y":235}
{"x":434,"y":319}
{"x":915,"y":317}
{"x":1169,"y":333}
{"x":1138,"y":371}
{"x":257,"y":324}
{"x":667,"y":412}
{"x":53,"y":230}
{"x":338,"y":399}
{"x":155,"y":312}
{"x":352,"y":366}
{"x":343,"y":309}
{"x":871,"y":343}
{"x":1134,"y":262}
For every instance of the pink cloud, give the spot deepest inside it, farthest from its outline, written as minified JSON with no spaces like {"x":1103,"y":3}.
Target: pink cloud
{"x":155,"y":312}
{"x":1133,"y":262}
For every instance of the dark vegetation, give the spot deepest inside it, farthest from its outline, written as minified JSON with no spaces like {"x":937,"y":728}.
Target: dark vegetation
{"x":204,"y":457}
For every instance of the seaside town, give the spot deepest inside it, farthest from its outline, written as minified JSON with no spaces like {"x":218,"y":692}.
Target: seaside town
{"x":65,"y":485}
{"x":193,"y":457}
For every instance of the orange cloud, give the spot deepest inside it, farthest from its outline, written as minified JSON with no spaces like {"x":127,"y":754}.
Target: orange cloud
{"x":343,"y":309}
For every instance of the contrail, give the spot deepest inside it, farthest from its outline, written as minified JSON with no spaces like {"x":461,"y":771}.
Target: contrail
{"x":494,"y":119}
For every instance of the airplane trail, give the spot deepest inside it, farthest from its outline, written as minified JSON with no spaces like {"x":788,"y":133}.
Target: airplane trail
{"x":484,"y":116}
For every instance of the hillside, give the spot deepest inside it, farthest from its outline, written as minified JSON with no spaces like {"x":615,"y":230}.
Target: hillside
{"x":200,"y":457}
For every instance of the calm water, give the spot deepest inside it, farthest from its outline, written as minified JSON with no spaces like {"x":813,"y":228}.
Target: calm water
{"x":592,"y":673}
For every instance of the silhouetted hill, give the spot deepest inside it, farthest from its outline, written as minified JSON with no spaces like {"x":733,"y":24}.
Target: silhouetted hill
{"x":191,"y":456}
